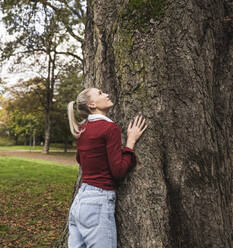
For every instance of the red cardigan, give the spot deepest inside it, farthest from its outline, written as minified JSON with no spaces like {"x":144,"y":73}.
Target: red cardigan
{"x":100,"y":155}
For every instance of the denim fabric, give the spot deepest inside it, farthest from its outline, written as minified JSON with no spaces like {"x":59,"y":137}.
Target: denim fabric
{"x":91,"y":219}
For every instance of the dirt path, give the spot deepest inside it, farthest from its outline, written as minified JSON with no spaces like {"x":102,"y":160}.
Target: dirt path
{"x":59,"y":158}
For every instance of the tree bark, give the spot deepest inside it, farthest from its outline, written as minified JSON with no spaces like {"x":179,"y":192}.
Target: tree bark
{"x":66,"y":143}
{"x":176,"y":69}
{"x":34,"y":138}
{"x":47,"y":133}
{"x":50,"y":82}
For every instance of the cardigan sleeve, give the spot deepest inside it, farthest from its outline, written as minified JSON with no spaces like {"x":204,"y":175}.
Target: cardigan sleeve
{"x":120,"y":160}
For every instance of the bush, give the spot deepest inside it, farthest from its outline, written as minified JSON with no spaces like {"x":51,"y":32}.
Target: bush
{"x":4,"y":141}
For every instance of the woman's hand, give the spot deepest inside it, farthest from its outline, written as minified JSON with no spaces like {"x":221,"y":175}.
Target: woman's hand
{"x":135,"y":130}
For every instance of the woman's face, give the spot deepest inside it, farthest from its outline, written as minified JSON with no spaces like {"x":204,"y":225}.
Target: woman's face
{"x":99,"y":100}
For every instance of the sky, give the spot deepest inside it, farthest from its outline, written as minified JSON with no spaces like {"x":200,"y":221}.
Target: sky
{"x":5,"y":73}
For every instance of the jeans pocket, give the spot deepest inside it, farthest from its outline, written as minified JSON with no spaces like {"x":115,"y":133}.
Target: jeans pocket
{"x":89,"y":214}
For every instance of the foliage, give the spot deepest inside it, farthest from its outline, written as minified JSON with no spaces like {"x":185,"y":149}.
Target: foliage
{"x":36,"y":25}
{"x":24,"y":111}
{"x":22,"y":123}
{"x":2,"y":84}
{"x":35,"y":198}
{"x":67,"y":90}
{"x":45,"y":35}
{"x":28,"y":95}
{"x":4,"y":141}
{"x":21,"y":113}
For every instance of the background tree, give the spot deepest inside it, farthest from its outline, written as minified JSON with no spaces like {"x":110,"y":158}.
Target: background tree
{"x":22,"y":124}
{"x":171,"y":61}
{"x":68,"y":87}
{"x":27,"y":19}
{"x":28,"y":99}
{"x":39,"y":36}
{"x":4,"y":133}
{"x":22,"y":112}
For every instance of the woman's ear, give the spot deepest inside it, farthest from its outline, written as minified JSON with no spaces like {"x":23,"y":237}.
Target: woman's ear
{"x":91,"y":105}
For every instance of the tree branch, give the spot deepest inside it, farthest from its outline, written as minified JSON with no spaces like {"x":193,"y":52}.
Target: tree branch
{"x":71,"y":54}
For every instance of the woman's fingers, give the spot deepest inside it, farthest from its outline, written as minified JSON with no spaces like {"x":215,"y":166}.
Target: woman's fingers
{"x":144,"y":128}
{"x":136,"y":120}
{"x":136,"y":127}
{"x":142,"y":124}
{"x":139,"y":121}
{"x":130,"y":125}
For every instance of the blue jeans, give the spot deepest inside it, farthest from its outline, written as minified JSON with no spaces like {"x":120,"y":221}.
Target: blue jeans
{"x":91,"y":219}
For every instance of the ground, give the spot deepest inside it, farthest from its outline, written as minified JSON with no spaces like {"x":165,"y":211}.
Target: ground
{"x":68,"y":159}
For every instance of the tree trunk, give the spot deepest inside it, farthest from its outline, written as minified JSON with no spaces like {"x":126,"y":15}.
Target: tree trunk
{"x":16,"y":139}
{"x":30,"y":140}
{"x":50,"y":82}
{"x":65,"y":143}
{"x":66,"y":138}
{"x":25,"y":139}
{"x":34,"y":138}
{"x":47,"y":133}
{"x":173,"y":64}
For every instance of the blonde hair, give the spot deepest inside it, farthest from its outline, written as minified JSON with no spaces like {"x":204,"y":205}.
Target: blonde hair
{"x":83,"y":112}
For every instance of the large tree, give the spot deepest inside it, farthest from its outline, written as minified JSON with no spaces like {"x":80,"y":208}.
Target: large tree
{"x":171,"y":61}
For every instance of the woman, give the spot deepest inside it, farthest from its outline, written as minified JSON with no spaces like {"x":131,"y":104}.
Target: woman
{"x":103,"y":162}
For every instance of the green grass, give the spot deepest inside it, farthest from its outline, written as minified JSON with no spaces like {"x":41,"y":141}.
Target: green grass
{"x":12,"y":148}
{"x":34,"y":202}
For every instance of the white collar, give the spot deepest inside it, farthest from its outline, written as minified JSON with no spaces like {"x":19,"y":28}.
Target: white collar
{"x":96,"y":117}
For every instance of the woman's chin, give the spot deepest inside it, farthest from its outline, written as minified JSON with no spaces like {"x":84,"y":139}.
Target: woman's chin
{"x":112,"y":104}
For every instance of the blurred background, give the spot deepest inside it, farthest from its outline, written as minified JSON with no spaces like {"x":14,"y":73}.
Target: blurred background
{"x":41,"y":71}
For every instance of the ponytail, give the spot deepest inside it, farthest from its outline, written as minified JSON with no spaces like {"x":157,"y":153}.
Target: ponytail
{"x":83,"y":111}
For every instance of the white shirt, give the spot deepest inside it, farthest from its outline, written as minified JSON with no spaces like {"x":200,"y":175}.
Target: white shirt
{"x":96,"y":117}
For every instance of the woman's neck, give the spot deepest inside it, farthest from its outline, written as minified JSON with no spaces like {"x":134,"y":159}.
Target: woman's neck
{"x":97,"y":111}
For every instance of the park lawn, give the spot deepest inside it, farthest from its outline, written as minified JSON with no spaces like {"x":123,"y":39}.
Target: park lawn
{"x":28,"y":148}
{"x":35,"y":196}
{"x":63,"y":154}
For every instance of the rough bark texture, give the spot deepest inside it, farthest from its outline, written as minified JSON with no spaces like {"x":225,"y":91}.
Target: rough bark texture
{"x":176,"y":69}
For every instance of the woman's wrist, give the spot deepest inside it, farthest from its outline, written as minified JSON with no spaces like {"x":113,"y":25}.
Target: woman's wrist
{"x":130,"y":143}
